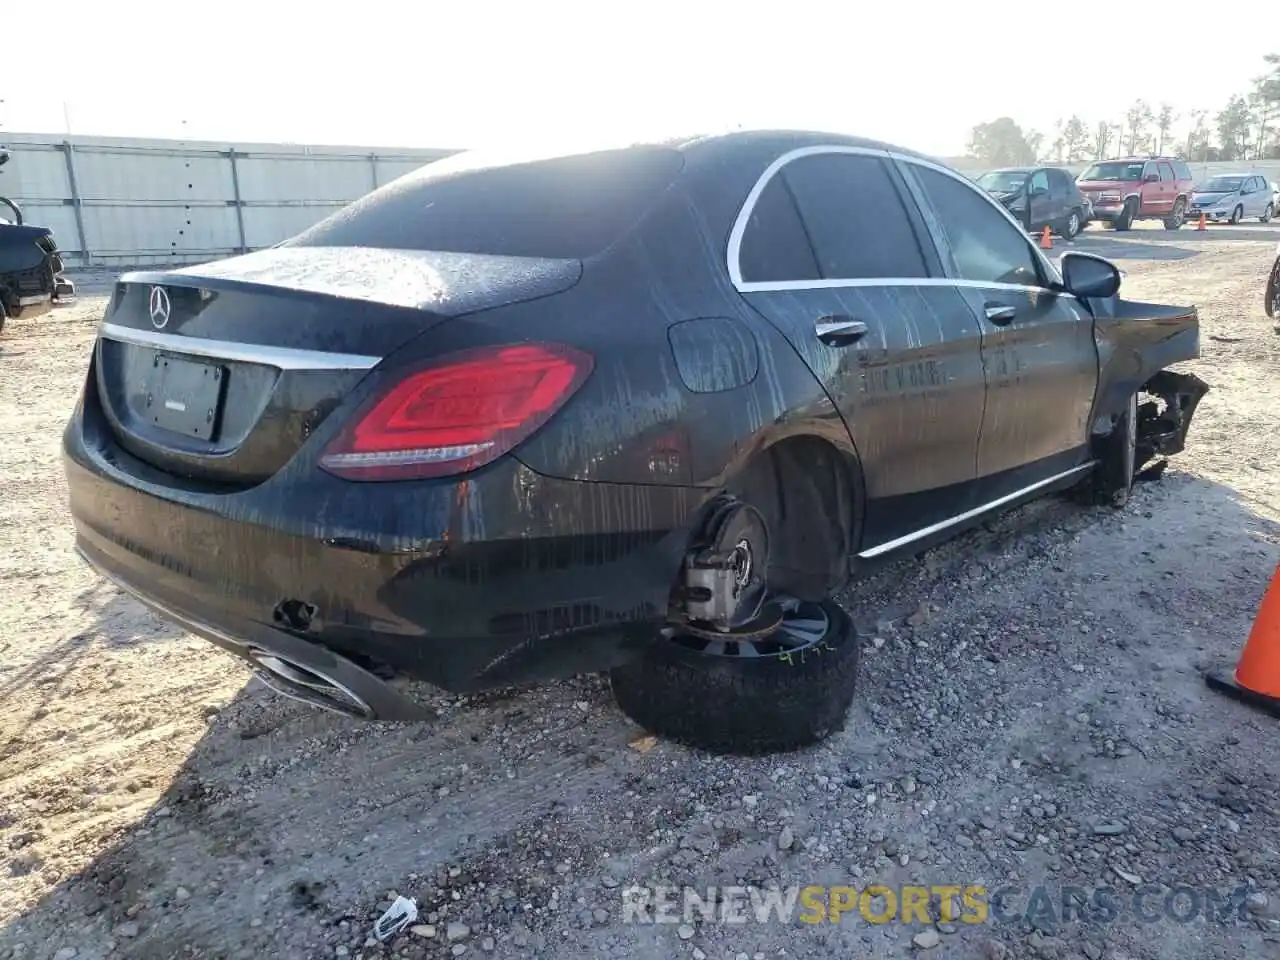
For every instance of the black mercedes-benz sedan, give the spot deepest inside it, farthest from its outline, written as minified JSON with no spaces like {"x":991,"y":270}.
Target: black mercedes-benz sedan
{"x":642,"y":410}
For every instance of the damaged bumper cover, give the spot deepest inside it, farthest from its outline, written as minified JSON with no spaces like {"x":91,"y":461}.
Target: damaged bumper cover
{"x":1163,"y":422}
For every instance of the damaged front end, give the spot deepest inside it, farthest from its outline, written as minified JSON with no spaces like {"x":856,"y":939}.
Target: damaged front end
{"x":1164,"y":415}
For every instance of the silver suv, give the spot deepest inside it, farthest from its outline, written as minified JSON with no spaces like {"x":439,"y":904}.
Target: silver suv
{"x":1232,"y":197}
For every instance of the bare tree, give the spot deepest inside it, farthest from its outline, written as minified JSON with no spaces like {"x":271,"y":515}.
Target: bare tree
{"x":1103,"y":134}
{"x":1075,"y":139}
{"x":1164,"y":122}
{"x":1136,"y":120}
{"x":1198,"y":137}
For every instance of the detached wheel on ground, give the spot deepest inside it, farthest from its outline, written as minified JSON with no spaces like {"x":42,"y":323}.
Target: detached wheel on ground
{"x":1112,"y":480}
{"x":743,"y":694}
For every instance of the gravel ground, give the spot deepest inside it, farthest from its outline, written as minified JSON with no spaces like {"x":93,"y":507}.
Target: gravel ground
{"x":1031,"y":714}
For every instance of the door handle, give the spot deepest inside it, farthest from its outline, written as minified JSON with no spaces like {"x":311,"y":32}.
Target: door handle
{"x":1000,"y":313}
{"x":839,"y":331}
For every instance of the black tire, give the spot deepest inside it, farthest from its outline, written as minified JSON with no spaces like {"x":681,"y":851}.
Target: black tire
{"x":1112,"y":480}
{"x":1237,"y":214}
{"x":1178,"y":216}
{"x":1272,"y":301}
{"x":740,"y":705}
{"x":4,"y":313}
{"x":1072,"y":225}
{"x":1125,"y":220}
{"x":1267,"y":214}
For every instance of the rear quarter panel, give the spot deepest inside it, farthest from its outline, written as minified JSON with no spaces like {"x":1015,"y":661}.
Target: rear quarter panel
{"x":688,"y":381}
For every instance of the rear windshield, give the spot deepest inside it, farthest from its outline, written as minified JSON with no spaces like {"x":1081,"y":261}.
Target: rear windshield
{"x":1114,"y":170}
{"x":561,"y":207}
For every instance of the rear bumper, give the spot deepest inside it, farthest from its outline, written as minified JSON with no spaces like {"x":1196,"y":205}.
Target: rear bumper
{"x":507,"y":578}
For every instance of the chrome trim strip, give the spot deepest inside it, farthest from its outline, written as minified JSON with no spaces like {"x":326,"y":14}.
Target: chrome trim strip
{"x":283,"y":358}
{"x":744,"y":215}
{"x":970,"y":514}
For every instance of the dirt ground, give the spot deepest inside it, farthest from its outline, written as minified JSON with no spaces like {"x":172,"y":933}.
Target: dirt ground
{"x":1031,"y":715}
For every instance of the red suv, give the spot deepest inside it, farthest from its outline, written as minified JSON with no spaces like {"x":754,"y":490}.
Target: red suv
{"x":1138,"y":188}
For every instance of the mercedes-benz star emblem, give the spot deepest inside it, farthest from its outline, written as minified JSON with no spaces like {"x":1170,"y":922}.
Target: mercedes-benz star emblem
{"x":159,"y":307}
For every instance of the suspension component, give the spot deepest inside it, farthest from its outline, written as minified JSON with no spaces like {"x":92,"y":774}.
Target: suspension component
{"x":726,"y":571}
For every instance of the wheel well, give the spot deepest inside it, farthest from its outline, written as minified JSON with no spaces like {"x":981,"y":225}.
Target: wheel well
{"x":810,"y":495}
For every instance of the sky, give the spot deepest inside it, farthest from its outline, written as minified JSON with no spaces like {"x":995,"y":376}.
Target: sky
{"x":482,"y":73}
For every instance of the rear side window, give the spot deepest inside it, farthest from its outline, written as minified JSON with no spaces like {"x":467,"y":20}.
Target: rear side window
{"x":562,"y":207}
{"x":774,"y":245}
{"x":855,"y":217}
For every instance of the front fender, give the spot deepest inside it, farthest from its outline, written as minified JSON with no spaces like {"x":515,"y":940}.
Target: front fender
{"x":1136,"y":341}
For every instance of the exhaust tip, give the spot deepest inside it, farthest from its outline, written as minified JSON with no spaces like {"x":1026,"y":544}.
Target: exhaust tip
{"x":308,"y":685}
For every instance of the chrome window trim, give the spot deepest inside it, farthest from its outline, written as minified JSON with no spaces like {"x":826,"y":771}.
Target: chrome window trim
{"x":282,"y":358}
{"x":733,"y":256}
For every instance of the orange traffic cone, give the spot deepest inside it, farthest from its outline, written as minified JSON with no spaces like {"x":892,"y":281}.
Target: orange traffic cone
{"x":1046,"y":240}
{"x":1257,"y":675}
{"x":1201,"y":225}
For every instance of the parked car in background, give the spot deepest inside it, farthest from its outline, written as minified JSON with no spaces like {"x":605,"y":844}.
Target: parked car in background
{"x":1126,"y":189}
{"x":1040,"y":197}
{"x":1232,"y":197}
{"x":502,"y":422}
{"x":29,"y":268}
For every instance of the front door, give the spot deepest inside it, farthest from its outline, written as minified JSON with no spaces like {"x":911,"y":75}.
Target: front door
{"x":1038,"y":352}
{"x":832,"y":256}
{"x":1040,"y":200}
{"x":1256,"y":199}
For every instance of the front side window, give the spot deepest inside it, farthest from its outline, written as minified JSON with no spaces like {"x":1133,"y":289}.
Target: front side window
{"x":1166,"y":173}
{"x":1040,"y":182}
{"x":985,"y":245}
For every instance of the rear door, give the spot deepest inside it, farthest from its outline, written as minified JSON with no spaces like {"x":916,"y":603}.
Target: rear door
{"x":1038,"y":352}
{"x":827,"y":250}
{"x":1168,"y":187}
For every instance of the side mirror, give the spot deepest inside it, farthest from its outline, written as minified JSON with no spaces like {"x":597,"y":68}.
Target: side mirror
{"x":1039,"y":191}
{"x":1086,"y":275}
{"x":1151,"y":178}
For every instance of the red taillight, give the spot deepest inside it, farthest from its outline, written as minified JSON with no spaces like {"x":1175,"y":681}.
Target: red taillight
{"x":459,"y":415}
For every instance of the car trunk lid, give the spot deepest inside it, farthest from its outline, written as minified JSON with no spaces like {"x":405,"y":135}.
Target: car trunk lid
{"x":221,"y":372}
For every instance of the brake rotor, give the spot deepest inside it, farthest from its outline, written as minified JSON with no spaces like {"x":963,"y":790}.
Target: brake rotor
{"x":766,"y":623}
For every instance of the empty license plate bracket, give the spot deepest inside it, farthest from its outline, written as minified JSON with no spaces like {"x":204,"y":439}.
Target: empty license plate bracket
{"x":185,"y":396}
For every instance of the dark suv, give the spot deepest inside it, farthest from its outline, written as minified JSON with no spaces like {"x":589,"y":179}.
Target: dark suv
{"x":1040,"y":197}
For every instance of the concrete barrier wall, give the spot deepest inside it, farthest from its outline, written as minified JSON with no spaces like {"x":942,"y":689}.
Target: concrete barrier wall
{"x":117,"y":201}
